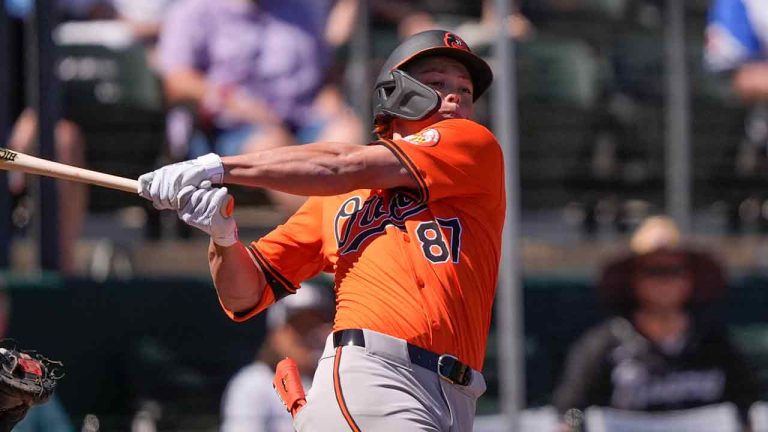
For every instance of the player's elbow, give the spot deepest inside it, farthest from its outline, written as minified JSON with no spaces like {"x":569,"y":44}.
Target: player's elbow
{"x":238,"y":295}
{"x":238,"y":306}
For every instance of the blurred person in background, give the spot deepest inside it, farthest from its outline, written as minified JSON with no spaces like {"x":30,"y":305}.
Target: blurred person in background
{"x":474,"y":20}
{"x":737,"y":43}
{"x":296,"y":327}
{"x":73,"y":197}
{"x":737,"y":46}
{"x":482,"y":30}
{"x":662,"y":350}
{"x":408,"y":17}
{"x":254,"y":71}
{"x":142,"y":18}
{"x":69,"y":144}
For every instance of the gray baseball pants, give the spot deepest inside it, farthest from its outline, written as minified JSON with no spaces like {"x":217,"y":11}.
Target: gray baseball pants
{"x":377,"y":388}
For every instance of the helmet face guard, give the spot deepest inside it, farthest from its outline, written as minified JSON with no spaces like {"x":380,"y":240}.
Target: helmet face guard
{"x":404,"y":97}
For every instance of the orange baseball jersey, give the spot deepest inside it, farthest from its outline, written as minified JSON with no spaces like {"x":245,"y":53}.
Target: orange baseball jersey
{"x":419,"y":265}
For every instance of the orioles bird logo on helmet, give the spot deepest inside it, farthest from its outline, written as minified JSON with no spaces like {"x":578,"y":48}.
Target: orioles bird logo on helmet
{"x":454,"y":41}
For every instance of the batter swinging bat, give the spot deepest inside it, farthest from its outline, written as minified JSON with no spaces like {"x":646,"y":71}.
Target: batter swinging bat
{"x":14,"y":161}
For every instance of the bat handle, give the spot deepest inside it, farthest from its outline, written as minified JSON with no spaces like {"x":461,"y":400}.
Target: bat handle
{"x":226,"y":211}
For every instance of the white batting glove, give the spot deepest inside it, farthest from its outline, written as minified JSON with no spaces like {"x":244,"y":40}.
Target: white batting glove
{"x":163,"y":185}
{"x":201,"y":208}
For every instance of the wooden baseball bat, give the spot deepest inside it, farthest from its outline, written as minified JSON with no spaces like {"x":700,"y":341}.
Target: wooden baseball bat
{"x":14,"y":161}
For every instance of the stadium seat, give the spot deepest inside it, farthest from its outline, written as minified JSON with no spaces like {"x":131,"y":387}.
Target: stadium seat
{"x":542,"y":419}
{"x":558,"y":71}
{"x":752,"y":340}
{"x":720,"y":418}
{"x":613,"y":10}
{"x":697,"y":8}
{"x":718,"y":140}
{"x":573,"y":149}
{"x":637,"y":58}
{"x":594,"y":21}
{"x":758,"y":416}
{"x":103,"y":72}
{"x":558,"y":89}
{"x":716,"y":126}
{"x":109,"y":91}
{"x":546,"y":340}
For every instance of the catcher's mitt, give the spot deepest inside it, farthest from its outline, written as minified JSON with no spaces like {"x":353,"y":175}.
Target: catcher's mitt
{"x":26,"y":378}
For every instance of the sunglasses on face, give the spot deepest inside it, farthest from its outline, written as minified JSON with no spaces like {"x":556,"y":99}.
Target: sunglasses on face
{"x":663,"y":271}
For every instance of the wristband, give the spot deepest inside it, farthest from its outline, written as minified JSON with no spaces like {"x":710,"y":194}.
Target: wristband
{"x":226,"y":240}
{"x":214,"y":168}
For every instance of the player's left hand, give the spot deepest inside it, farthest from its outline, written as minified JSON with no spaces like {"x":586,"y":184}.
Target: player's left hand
{"x":201,"y":208}
{"x":163,"y":185}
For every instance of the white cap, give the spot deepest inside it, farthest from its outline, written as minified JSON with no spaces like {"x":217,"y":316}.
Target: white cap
{"x":309,"y":296}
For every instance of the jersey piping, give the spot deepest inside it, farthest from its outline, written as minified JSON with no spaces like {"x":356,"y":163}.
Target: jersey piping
{"x":279,"y":284}
{"x":410,"y":166}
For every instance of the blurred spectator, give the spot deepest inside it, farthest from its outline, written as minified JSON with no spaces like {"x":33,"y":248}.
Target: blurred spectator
{"x":662,"y":350}
{"x":144,"y":20}
{"x":408,"y":16}
{"x":142,"y":17}
{"x":73,"y":201}
{"x":254,"y":77}
{"x":70,"y":9}
{"x":737,"y":45}
{"x":475,"y":21}
{"x":297,"y":327}
{"x":482,"y":31}
{"x":69,"y":144}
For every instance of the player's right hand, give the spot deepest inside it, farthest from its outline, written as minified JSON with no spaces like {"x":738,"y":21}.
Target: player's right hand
{"x":163,"y":185}
{"x":201,"y":208}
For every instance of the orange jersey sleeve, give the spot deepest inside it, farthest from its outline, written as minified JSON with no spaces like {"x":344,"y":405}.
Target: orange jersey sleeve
{"x":293,"y":252}
{"x":450,"y":159}
{"x":288,"y":255}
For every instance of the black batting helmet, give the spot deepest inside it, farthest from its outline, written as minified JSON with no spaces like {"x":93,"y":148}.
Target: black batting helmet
{"x":398,"y":94}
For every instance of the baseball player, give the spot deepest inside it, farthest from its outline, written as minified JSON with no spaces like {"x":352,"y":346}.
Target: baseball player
{"x":410,"y":225}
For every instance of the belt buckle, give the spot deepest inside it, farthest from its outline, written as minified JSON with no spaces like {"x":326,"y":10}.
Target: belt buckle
{"x":452,"y":370}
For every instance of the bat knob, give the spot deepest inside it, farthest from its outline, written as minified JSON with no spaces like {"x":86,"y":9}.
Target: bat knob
{"x":229,"y":207}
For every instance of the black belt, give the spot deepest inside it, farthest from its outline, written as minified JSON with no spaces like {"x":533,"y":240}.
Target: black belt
{"x":445,"y":365}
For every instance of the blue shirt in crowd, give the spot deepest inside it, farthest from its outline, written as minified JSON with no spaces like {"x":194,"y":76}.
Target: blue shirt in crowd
{"x":737,"y":32}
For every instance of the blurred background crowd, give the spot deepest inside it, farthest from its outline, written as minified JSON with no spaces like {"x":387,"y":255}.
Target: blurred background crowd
{"x":625,"y":110}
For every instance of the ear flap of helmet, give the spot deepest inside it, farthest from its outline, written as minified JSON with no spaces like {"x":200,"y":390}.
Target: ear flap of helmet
{"x":404,"y":97}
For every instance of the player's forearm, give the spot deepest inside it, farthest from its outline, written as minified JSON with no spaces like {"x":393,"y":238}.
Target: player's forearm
{"x":238,"y":281}
{"x":317,"y":169}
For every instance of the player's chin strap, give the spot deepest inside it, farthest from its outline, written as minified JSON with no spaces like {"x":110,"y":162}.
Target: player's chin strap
{"x":404,"y":97}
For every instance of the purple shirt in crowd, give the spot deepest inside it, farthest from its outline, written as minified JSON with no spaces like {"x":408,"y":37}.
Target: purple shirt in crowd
{"x":235,"y":43}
